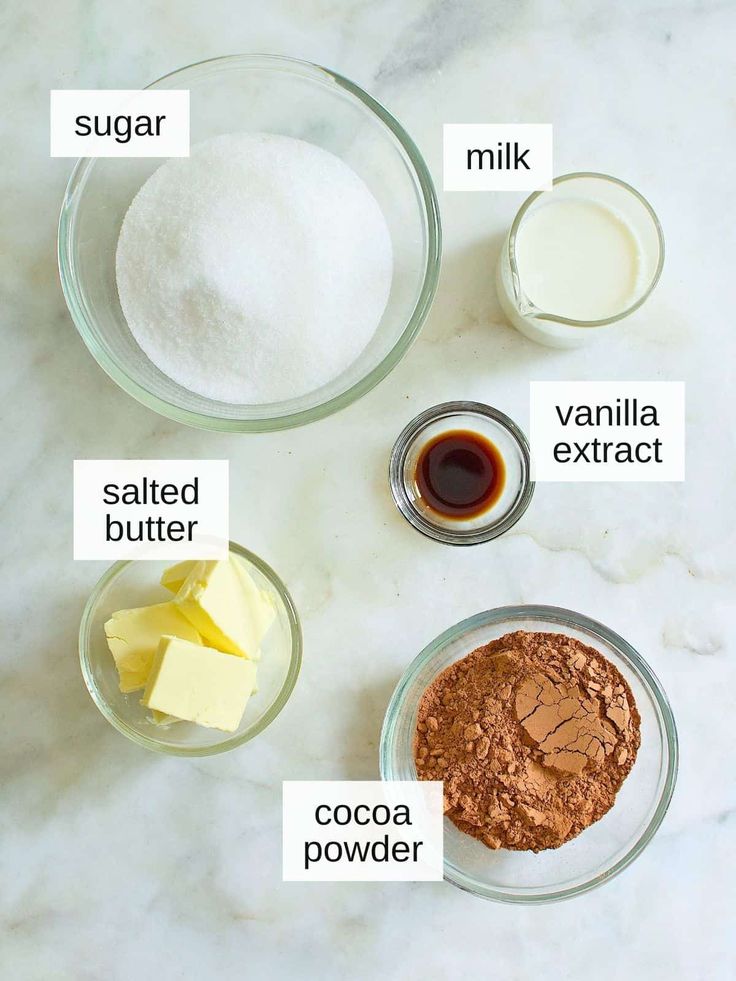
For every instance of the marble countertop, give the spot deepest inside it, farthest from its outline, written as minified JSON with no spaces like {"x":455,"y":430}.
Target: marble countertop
{"x":119,"y":864}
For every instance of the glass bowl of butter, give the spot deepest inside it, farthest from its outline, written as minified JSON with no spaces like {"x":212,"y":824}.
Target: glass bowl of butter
{"x":190,"y":658}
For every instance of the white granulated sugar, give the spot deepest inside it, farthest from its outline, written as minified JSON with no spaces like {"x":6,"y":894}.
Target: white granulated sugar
{"x":255,"y":270}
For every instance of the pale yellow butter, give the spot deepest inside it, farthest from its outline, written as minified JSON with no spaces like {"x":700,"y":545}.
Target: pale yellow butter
{"x":221,"y":600}
{"x":133,"y":636}
{"x":199,"y":684}
{"x":260,"y":603}
{"x":173,"y":577}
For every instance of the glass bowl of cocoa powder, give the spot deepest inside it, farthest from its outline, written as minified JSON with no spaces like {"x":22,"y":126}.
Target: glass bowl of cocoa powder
{"x":556,"y":745}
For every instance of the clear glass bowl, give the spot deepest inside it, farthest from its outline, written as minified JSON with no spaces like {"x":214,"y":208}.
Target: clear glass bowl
{"x":488,"y":422}
{"x":277,"y":95}
{"x":127,"y":585}
{"x":606,"y":847}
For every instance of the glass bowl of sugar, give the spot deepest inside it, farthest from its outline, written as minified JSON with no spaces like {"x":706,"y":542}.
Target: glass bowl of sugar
{"x":273,"y":276}
{"x":599,"y":851}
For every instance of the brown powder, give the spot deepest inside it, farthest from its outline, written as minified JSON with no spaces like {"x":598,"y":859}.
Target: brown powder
{"x":533,"y":736}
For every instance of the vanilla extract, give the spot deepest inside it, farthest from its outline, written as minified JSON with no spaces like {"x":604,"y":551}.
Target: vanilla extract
{"x":460,"y":474}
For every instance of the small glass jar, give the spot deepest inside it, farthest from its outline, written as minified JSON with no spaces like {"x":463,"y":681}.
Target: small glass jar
{"x":486,"y":422}
{"x":545,"y":326}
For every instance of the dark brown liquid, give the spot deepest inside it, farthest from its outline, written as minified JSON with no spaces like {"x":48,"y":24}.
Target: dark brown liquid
{"x":460,"y":474}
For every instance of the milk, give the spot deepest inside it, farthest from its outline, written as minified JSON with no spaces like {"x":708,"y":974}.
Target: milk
{"x":577,"y":259}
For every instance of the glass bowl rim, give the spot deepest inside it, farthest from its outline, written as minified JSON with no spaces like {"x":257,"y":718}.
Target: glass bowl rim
{"x":511,"y":250}
{"x":405,"y":439}
{"x":665,"y":720}
{"x":111,"y":574}
{"x":430,"y":213}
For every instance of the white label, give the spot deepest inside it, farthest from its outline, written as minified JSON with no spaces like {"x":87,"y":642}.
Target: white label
{"x":151,"y":509}
{"x":362,"y":831}
{"x":591,"y":431}
{"x":119,"y":123}
{"x":497,"y":157}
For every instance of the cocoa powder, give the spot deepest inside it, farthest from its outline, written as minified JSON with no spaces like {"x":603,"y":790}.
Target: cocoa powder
{"x":532,"y":734}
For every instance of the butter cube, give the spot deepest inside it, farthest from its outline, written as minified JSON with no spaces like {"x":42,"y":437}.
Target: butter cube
{"x":133,"y":636}
{"x":260,"y":603}
{"x":199,"y":684}
{"x":173,"y":577}
{"x":221,"y":600}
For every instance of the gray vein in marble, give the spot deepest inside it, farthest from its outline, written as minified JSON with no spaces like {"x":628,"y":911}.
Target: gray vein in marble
{"x":430,"y":41}
{"x":598,"y":567}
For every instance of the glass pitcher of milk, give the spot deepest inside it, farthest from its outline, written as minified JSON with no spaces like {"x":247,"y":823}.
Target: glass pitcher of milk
{"x":578,"y":259}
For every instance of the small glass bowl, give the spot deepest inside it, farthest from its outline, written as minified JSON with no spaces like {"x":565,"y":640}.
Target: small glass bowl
{"x":264,"y":93}
{"x":127,"y":585}
{"x":502,"y":432}
{"x":606,"y":847}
